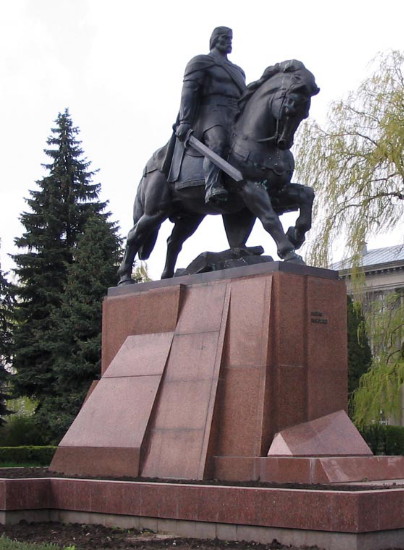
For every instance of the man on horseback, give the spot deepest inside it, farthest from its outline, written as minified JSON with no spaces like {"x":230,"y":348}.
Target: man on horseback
{"x":209,"y":104}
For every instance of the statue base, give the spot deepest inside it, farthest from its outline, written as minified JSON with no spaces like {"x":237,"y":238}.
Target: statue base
{"x":198,"y":370}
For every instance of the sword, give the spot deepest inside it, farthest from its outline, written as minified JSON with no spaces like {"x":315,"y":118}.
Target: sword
{"x":213,"y":157}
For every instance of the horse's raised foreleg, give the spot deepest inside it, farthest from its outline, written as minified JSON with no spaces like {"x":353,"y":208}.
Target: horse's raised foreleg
{"x":183,"y":229}
{"x":303,"y":197}
{"x":257,"y":200}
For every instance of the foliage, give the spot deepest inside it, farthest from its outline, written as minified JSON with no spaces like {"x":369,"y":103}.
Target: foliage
{"x":384,"y":439}
{"x":359,"y":353}
{"x":21,"y":430}
{"x":34,"y":455}
{"x":7,"y":304}
{"x":76,"y":335}
{"x":380,"y":390}
{"x":356,"y":163}
{"x":8,"y":544}
{"x":58,"y":226}
{"x":22,"y":406}
{"x":141,"y":274}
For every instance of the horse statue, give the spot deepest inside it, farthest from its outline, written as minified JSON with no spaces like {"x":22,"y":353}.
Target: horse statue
{"x":270,"y":112}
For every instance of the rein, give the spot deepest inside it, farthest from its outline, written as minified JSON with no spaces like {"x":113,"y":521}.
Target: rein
{"x":276,"y":134}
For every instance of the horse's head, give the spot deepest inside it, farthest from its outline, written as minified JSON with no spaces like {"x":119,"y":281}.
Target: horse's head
{"x":286,"y":89}
{"x":289,"y":108}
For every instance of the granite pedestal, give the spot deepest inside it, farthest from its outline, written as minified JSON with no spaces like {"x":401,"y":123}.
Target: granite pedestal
{"x":200,"y":373}
{"x":235,"y":375}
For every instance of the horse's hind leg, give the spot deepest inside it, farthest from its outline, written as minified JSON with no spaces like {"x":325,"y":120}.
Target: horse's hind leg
{"x":183,"y":229}
{"x":150,"y":210}
{"x":136,"y":237}
{"x":303,"y":197}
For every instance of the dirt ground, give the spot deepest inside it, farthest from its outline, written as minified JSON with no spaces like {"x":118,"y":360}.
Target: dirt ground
{"x":98,"y":537}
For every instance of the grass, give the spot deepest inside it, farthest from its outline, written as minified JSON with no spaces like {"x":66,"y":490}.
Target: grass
{"x":21,"y":465}
{"x":8,"y":544}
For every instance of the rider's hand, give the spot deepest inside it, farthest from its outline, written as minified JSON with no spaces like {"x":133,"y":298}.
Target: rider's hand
{"x":182,"y":130}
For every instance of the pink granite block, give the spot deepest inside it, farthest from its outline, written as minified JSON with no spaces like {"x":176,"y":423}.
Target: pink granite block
{"x":131,"y":499}
{"x":327,"y":392}
{"x":149,"y":497}
{"x":96,"y":461}
{"x":148,"y":312}
{"x":346,"y":469}
{"x":187,"y":502}
{"x":304,"y":510}
{"x":194,"y":357}
{"x":175,"y":454}
{"x":238,"y":506}
{"x":108,"y":497}
{"x":288,"y":323}
{"x":236,"y":468}
{"x":326,"y":322}
{"x":389,"y":506}
{"x":116,"y":413}
{"x":183,"y":405}
{"x":290,"y":395}
{"x":195,"y":315}
{"x":333,"y":434}
{"x":63,"y":494}
{"x":26,"y":494}
{"x":248,"y":325}
{"x":286,"y":470}
{"x":71,"y":494}
{"x":179,"y":435}
{"x":241,"y":415}
{"x":209,"y":504}
{"x":141,"y":355}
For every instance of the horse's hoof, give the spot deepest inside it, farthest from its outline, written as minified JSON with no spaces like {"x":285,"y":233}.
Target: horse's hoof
{"x":125,"y":280}
{"x":291,"y":235}
{"x":294,"y":258}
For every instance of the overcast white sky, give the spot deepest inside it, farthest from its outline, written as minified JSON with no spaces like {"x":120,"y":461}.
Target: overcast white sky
{"x":118,"y":66}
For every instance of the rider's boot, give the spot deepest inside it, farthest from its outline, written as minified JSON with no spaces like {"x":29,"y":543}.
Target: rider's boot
{"x":215,"y":193}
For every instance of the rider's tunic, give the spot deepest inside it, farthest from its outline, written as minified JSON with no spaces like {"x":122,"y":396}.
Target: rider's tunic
{"x":211,"y":90}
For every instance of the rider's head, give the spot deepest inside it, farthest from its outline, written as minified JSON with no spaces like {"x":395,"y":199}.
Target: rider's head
{"x":221,"y":39}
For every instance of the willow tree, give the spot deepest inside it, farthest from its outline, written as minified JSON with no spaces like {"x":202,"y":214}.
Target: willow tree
{"x":356,"y":166}
{"x":356,"y":163}
{"x":379,"y":394}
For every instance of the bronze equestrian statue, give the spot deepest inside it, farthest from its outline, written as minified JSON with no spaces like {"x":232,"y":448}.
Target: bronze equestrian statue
{"x":258,"y":148}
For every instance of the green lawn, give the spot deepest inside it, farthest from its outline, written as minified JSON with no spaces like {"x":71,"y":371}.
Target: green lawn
{"x":7,"y":544}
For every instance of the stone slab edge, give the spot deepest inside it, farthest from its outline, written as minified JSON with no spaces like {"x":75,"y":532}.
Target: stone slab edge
{"x":232,"y":273}
{"x":319,"y":510}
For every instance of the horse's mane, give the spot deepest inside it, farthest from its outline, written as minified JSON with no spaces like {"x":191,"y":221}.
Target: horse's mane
{"x":289,"y":66}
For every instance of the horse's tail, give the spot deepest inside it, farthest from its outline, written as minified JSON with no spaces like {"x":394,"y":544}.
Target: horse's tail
{"x":138,"y":210}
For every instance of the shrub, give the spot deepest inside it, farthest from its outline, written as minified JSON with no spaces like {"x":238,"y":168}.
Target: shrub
{"x":38,"y":456}
{"x":21,"y":430}
{"x":384,"y":439}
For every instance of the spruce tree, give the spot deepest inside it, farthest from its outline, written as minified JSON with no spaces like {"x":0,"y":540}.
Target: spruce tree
{"x":59,"y":209}
{"x":6,"y":341}
{"x":75,"y":337}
